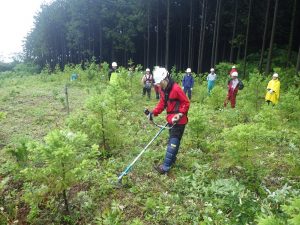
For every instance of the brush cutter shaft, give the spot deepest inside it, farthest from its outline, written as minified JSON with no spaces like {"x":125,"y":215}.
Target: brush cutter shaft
{"x":125,"y":172}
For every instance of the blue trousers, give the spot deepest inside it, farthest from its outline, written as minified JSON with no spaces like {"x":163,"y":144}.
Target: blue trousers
{"x":188,"y":91}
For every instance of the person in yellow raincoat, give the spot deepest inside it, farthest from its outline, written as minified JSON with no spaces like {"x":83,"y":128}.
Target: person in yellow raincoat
{"x":273,"y":90}
{"x":113,"y":74}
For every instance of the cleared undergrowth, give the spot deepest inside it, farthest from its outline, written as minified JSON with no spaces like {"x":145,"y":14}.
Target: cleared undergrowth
{"x":235,"y":166}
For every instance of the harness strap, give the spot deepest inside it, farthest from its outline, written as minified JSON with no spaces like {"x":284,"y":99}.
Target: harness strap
{"x":149,"y":78}
{"x":176,"y":108}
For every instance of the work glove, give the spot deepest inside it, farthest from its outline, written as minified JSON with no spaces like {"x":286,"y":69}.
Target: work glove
{"x":177,"y":117}
{"x":191,"y":89}
{"x":148,"y":114}
{"x":270,"y":91}
{"x":182,"y":88}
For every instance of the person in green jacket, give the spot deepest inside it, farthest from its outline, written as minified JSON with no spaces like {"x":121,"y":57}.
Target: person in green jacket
{"x":112,"y":73}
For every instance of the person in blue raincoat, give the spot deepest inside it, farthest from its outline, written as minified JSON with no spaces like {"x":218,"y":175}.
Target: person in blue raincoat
{"x":74,"y":76}
{"x":211,"y":78}
{"x":188,"y":83}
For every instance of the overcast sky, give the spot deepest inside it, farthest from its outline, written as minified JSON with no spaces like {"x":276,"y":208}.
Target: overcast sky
{"x":16,"y":20}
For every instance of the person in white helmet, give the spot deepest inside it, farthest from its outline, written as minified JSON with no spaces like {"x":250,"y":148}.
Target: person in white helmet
{"x":234,"y":85}
{"x":188,"y":82}
{"x":176,"y":104}
{"x":147,"y":82}
{"x":233,"y":69}
{"x":211,"y":80}
{"x":113,"y":69}
{"x":273,"y":90}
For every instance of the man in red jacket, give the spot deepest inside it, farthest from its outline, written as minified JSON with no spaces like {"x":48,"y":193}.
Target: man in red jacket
{"x":173,"y":99}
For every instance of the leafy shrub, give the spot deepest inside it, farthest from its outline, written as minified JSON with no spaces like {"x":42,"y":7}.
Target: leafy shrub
{"x":54,"y":168}
{"x":289,"y":107}
{"x":269,"y":117}
{"x":223,"y":69}
{"x":177,"y":76}
{"x":216,"y":99}
{"x":92,"y":70}
{"x":101,"y":121}
{"x":246,"y":147}
{"x":198,"y":125}
{"x":254,"y":91}
{"x":117,"y":97}
{"x":104,"y":68}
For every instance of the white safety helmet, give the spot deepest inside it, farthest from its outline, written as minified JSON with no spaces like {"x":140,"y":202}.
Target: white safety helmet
{"x":275,"y":75}
{"x":233,"y":67}
{"x":234,"y":74}
{"x":159,"y":74}
{"x":114,"y":64}
{"x":147,"y":70}
{"x":188,"y":70}
{"x":212,"y":70}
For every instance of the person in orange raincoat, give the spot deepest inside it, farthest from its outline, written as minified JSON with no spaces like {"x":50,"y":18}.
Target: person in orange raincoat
{"x":273,"y":90}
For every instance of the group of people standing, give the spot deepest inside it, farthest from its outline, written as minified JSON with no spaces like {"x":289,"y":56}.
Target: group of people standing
{"x":187,"y":84}
{"x":174,"y":100}
{"x":234,"y":85}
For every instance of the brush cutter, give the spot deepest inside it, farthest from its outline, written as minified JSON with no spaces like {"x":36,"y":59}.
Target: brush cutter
{"x":128,"y":168}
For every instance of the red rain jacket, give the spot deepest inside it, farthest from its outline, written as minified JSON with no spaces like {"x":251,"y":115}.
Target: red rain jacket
{"x":177,"y":103}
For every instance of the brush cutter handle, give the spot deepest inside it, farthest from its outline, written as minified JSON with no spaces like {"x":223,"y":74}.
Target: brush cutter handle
{"x":146,"y":111}
{"x":128,"y":168}
{"x":150,"y":117}
{"x":148,"y":114}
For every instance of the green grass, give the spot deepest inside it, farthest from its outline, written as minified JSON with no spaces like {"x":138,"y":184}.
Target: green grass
{"x":225,"y":175}
{"x":32,"y":110}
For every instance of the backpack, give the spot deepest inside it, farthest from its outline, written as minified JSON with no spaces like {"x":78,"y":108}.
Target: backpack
{"x":241,"y":85}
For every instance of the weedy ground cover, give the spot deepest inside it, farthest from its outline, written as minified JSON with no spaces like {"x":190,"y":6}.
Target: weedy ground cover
{"x":235,"y":166}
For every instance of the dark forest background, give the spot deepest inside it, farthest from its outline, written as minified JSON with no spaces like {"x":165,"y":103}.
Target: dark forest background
{"x":185,"y":33}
